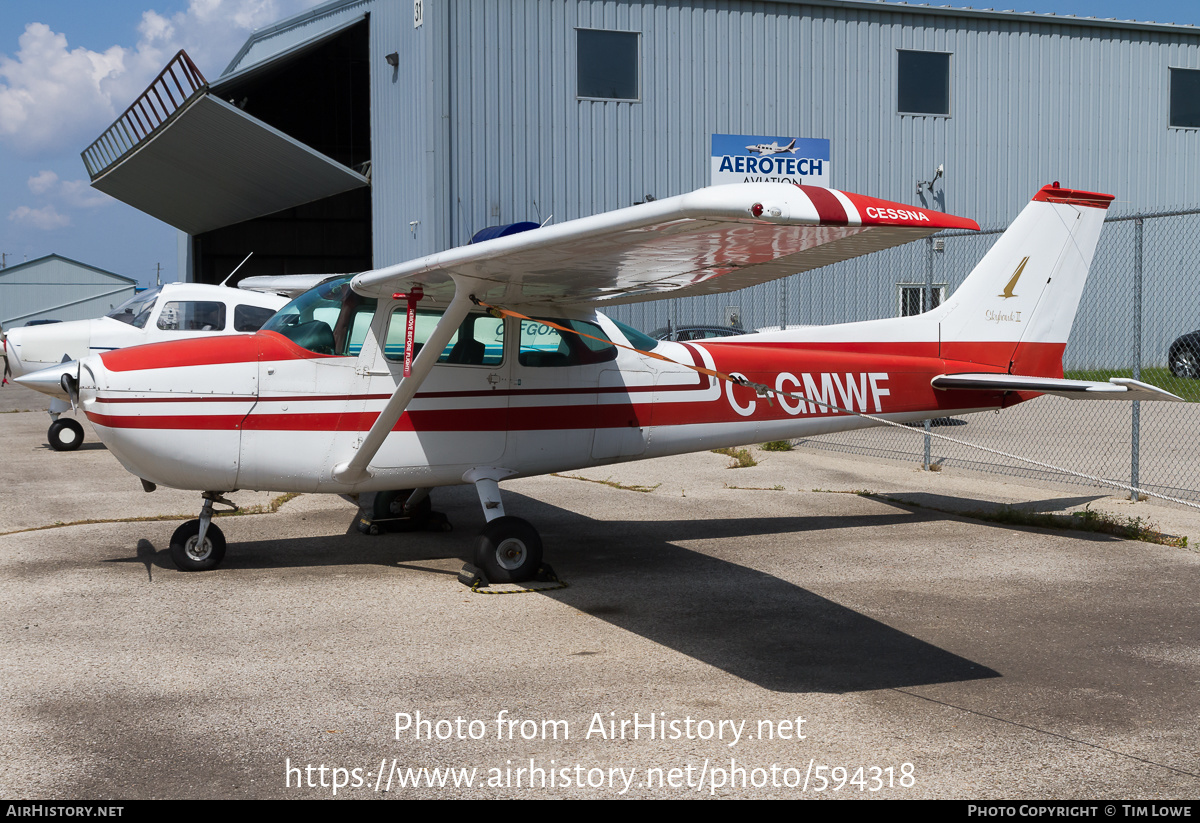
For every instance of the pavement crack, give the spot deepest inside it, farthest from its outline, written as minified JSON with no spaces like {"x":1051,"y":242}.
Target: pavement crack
{"x":1047,"y":732}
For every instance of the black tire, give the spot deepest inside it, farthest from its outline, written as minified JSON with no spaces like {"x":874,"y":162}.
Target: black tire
{"x":1185,"y":362}
{"x":65,"y":435}
{"x":188,"y":557}
{"x":508,"y":550}
{"x":389,"y":506}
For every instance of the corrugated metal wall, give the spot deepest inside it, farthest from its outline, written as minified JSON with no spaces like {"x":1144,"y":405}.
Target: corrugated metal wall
{"x":479,"y":124}
{"x":1031,"y":102}
{"x":59,"y":289}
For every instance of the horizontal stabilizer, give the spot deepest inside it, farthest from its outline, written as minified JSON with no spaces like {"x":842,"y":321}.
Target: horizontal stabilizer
{"x":1117,"y":388}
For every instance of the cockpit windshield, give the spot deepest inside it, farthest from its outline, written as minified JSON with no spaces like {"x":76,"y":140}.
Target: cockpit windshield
{"x":328,"y":319}
{"x":136,"y":310}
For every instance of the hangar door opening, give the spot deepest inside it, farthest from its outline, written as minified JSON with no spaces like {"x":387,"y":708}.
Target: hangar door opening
{"x":318,"y":95}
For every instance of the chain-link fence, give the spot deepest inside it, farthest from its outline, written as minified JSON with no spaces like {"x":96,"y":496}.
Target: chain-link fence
{"x":1138,"y":318}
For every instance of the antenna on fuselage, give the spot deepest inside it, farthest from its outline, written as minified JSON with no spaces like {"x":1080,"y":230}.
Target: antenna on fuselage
{"x":239,"y":265}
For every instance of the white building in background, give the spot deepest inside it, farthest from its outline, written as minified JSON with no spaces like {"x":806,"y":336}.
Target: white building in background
{"x":58,"y":288}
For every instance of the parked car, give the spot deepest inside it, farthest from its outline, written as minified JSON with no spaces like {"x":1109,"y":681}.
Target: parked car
{"x":1184,"y":356}
{"x":679,"y":333}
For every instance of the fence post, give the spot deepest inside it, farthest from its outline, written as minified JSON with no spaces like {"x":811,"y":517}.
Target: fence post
{"x":928,"y":307}
{"x":783,"y":281}
{"x":1136,"y":423}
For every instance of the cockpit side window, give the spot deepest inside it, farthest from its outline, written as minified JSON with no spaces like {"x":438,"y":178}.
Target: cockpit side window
{"x":328,"y":319}
{"x":136,"y":310}
{"x":479,"y":340}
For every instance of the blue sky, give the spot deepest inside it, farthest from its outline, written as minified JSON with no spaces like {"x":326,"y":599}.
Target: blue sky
{"x":68,"y":68}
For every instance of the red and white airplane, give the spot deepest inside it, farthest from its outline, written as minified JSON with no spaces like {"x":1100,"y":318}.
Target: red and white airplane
{"x":489,"y":361}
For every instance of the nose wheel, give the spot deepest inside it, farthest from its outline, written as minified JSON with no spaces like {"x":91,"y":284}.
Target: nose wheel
{"x":193,"y":553}
{"x":198,"y":545}
{"x":65,"y":435}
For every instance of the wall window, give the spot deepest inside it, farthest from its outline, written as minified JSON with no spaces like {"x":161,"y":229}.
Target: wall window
{"x":608,"y":64}
{"x":923,"y":82}
{"x":913,"y":298}
{"x":1185,"y":98}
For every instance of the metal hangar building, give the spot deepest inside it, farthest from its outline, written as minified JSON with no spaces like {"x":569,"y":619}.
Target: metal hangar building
{"x":58,"y":288}
{"x":364,"y":133}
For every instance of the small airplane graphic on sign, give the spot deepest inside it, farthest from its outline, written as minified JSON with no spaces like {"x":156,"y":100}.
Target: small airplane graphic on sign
{"x":772,"y":148}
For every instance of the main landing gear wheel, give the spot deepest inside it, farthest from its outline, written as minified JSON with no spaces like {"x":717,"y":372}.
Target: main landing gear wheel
{"x":387,"y":514}
{"x":65,"y":435}
{"x":188,"y":553}
{"x":508,"y":550}
{"x":390,"y":506}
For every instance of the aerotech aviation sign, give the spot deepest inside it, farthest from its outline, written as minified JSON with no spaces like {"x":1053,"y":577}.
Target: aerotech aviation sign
{"x":750,"y":158}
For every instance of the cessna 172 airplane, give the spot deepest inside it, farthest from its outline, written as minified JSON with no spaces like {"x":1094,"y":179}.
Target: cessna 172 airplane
{"x":489,"y":361}
{"x":174,"y":311}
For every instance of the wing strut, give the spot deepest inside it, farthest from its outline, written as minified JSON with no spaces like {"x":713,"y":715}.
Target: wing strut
{"x":355,"y":469}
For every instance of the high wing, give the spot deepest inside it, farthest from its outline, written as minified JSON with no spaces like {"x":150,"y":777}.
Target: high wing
{"x":713,"y":240}
{"x":291,"y":285}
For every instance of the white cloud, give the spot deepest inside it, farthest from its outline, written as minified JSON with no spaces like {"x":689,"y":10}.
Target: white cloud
{"x":54,"y":98}
{"x":76,"y":194}
{"x":45,"y":218}
{"x":156,"y":27}
{"x":79,"y":194}
{"x":43,"y":181}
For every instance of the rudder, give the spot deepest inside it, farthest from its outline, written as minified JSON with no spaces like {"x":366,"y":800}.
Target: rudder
{"x":1016,"y":308}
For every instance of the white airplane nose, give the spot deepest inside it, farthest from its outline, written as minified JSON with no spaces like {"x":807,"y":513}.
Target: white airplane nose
{"x":50,"y":381}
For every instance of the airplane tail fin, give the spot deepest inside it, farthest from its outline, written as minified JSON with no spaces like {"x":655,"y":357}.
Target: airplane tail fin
{"x":1016,"y":308}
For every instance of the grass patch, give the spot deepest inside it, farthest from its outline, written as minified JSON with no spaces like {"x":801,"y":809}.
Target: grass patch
{"x":259,"y":508}
{"x":738,"y":458}
{"x":777,"y":446}
{"x":1161,"y":377}
{"x":1127,"y":528}
{"x":630,"y":487}
{"x":269,"y":508}
{"x":776,"y":488}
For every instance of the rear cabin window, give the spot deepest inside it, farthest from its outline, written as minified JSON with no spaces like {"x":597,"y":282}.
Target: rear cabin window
{"x":543,"y":346}
{"x":479,"y":341}
{"x":250,"y":318}
{"x":192,"y":315}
